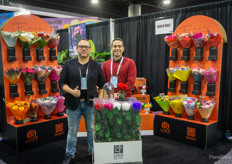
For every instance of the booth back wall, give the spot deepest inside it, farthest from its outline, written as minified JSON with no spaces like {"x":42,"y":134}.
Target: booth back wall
{"x":150,"y":52}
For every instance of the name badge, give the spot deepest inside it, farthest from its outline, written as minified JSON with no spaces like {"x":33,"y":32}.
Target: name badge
{"x":83,"y":83}
{"x":114,"y":81}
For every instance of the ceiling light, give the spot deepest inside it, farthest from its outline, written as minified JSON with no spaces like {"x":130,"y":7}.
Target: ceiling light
{"x":166,"y":2}
{"x":94,"y":1}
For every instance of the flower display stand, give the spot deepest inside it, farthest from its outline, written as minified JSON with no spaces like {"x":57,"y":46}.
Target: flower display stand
{"x":31,"y":134}
{"x":195,"y":132}
{"x":118,"y":152}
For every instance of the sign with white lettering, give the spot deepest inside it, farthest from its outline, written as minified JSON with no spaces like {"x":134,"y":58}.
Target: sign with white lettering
{"x":164,"y":26}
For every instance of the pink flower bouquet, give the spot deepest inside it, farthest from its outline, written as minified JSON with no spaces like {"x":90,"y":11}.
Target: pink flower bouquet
{"x":205,"y":108}
{"x":189,"y":106}
{"x":60,"y":105}
{"x":198,"y":39}
{"x":53,"y":40}
{"x":41,"y":73}
{"x":55,"y":73}
{"x":172,"y":41}
{"x":27,"y":75}
{"x":211,"y":75}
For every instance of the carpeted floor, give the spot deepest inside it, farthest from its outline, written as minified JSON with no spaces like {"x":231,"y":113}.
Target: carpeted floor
{"x":156,"y":150}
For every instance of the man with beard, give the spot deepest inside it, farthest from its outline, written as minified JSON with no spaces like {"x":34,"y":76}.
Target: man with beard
{"x":79,"y":78}
{"x":120,"y":69}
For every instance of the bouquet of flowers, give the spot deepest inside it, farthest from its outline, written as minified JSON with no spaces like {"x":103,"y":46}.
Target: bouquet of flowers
{"x":18,"y":109}
{"x":135,"y":89}
{"x":182,"y":73}
{"x":170,"y":72}
{"x":47,"y":105}
{"x":13,"y":75}
{"x":60,"y":105}
{"x":210,"y":75}
{"x":212,"y":40}
{"x":176,"y":104}
{"x":53,"y":40}
{"x":189,"y":106}
{"x":41,"y":73}
{"x":172,"y":41}
{"x":144,"y":86}
{"x":205,"y":108}
{"x":33,"y":110}
{"x":55,"y":73}
{"x":10,"y":38}
{"x":185,"y":40}
{"x":122,"y":96}
{"x":198,"y":39}
{"x":162,"y":100}
{"x":28,"y":38}
{"x":197,"y":74}
{"x":43,"y":39}
{"x":27,"y":75}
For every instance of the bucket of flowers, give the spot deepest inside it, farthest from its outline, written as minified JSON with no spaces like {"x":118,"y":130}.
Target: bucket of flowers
{"x":198,"y":40}
{"x":185,"y":40}
{"x":55,"y":75}
{"x":11,"y":39}
{"x":162,"y":100}
{"x":173,"y":43}
{"x":43,"y":39}
{"x":176,"y":104}
{"x":52,"y":44}
{"x":60,"y":105}
{"x":212,"y":40}
{"x":143,"y":89}
{"x":13,"y":75}
{"x":189,"y":106}
{"x":197,"y":76}
{"x":47,"y":105}
{"x":27,"y":75}
{"x":211,"y":76}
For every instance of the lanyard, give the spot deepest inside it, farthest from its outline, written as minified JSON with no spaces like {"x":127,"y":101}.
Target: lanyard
{"x":111,"y":70}
{"x":86,"y":71}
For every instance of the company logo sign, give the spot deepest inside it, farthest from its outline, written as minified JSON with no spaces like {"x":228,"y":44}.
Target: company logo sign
{"x":59,"y":129}
{"x":118,"y":152}
{"x":165,"y":127}
{"x":191,"y":134}
{"x":31,"y":136}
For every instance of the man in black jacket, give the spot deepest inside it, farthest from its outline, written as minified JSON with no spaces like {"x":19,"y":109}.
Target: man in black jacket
{"x":79,"y":78}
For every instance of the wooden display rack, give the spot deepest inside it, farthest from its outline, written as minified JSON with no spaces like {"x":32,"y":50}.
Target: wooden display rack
{"x":24,"y":136}
{"x":194,"y":132}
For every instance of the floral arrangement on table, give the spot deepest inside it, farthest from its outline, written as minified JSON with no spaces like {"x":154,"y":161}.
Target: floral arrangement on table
{"x":27,"y":75}
{"x":41,"y":73}
{"x":162,"y":100}
{"x":185,"y":40}
{"x":117,"y":120}
{"x":197,"y":73}
{"x":170,"y":72}
{"x":144,"y":86}
{"x":13,"y":75}
{"x":18,"y":109}
{"x":122,"y":96}
{"x":189,"y":106}
{"x":10,"y":38}
{"x":33,"y":110}
{"x":43,"y":39}
{"x":60,"y":105}
{"x":28,"y":38}
{"x":210,"y":75}
{"x":172,"y":41}
{"x":198,"y":39}
{"x":135,"y":89}
{"x":55,"y":73}
{"x":176,"y":104}
{"x":47,"y":105}
{"x":53,"y":40}
{"x":205,"y":107}
{"x":182,"y":73}
{"x":212,"y":39}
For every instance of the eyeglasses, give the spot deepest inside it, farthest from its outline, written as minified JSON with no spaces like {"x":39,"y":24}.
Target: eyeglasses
{"x":119,"y":46}
{"x":81,"y":47}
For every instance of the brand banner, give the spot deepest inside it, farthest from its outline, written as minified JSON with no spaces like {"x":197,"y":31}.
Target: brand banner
{"x":5,"y":16}
{"x":62,"y":23}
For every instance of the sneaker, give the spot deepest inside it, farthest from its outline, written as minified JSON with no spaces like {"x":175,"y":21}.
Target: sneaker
{"x":67,"y":160}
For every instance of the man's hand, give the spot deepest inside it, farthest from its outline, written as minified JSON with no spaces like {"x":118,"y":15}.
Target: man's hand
{"x":76,"y":92}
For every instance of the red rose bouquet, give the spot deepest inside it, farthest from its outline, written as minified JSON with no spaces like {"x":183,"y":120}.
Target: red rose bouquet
{"x":122,"y":96}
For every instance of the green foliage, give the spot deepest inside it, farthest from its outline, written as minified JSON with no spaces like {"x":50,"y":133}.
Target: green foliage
{"x":101,"y":57}
{"x":63,"y":57}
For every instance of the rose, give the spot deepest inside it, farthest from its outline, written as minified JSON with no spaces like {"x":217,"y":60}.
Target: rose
{"x":126,"y":106}
{"x":122,"y":86}
{"x":117,"y":105}
{"x":108,"y":106}
{"x":98,"y":106}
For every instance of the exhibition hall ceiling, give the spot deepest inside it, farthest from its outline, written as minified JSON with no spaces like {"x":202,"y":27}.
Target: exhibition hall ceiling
{"x":110,"y":8}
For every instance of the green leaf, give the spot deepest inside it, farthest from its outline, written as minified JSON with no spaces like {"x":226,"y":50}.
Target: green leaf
{"x":93,"y":50}
{"x":119,"y":135}
{"x":128,"y":116}
{"x":116,"y":110}
{"x":97,"y":127}
{"x":101,"y":60}
{"x":126,"y":137}
{"x":99,"y":133}
{"x":138,"y":118}
{"x":110,"y":115}
{"x":109,"y":139}
{"x":106,"y":111}
{"x":107,"y":135}
{"x":119,"y":121}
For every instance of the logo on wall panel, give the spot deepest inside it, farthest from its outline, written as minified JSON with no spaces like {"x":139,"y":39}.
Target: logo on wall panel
{"x":165,"y":127}
{"x":118,"y":151}
{"x":31,"y":136}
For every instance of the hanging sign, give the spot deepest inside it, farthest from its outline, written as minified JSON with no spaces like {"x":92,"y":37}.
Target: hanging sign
{"x":164,"y":26}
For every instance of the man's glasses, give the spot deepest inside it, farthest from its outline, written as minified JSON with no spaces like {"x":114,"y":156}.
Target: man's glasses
{"x":81,"y":47}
